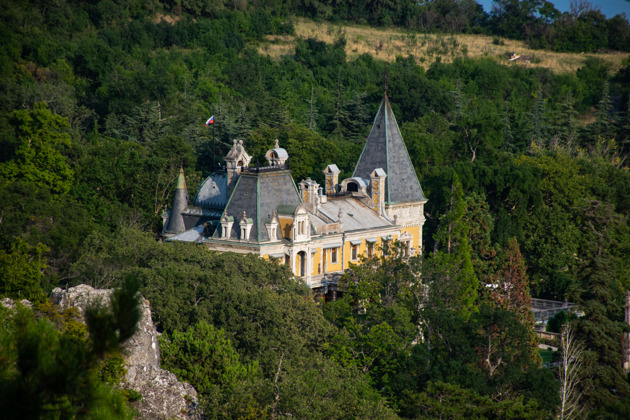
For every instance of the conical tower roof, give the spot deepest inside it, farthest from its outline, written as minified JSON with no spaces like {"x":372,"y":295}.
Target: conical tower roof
{"x":180,"y":202}
{"x":386,"y":149}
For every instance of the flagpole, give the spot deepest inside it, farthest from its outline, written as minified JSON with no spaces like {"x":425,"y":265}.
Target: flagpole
{"x":213,"y":145}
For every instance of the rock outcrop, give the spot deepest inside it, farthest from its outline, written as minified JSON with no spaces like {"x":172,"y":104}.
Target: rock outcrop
{"x":163,"y":395}
{"x":10,"y":303}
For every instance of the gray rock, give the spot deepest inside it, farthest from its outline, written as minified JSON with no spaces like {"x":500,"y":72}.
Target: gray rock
{"x":10,"y":303}
{"x":80,"y":297}
{"x":163,"y":396}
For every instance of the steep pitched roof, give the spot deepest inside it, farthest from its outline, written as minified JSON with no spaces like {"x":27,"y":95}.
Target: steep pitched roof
{"x":386,"y":149}
{"x":180,"y":202}
{"x":213,"y":192}
{"x":259,"y":194}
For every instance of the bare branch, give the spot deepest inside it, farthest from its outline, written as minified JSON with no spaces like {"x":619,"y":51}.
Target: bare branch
{"x":570,"y":373}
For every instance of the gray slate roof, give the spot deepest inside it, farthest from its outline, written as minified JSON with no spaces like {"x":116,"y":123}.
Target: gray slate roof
{"x":180,"y":202}
{"x":354,"y":215}
{"x":213,"y":192}
{"x":190,"y":235}
{"x":386,"y":149}
{"x":259,"y":194}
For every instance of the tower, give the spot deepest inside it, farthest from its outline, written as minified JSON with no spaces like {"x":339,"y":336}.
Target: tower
{"x":175,"y":222}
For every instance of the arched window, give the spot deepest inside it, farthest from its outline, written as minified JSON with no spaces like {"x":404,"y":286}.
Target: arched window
{"x":353,"y":187}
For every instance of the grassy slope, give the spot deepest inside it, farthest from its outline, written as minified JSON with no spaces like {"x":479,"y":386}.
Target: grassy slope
{"x":386,"y":44}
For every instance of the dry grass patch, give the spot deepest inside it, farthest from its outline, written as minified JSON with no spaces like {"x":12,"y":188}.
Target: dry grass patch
{"x":387,"y":44}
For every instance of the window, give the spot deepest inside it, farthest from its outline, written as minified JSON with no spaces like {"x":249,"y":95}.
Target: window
{"x":406,"y":251}
{"x":386,"y":247}
{"x":370,"y":250}
{"x":355,"y":252}
{"x":333,"y":256}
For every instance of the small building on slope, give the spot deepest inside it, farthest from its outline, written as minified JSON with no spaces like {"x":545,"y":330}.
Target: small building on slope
{"x":317,"y":231}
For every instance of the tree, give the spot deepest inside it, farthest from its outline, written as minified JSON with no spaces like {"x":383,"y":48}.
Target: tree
{"x":602,"y":130}
{"x":38,"y":157}
{"x":539,"y":125}
{"x":566,"y":123}
{"x":570,"y":372}
{"x":600,"y":294}
{"x":204,"y":357}
{"x":22,"y":271}
{"x":48,"y":374}
{"x":511,"y":286}
{"x":445,"y":400}
{"x":450,"y":274}
{"x":377,"y":315}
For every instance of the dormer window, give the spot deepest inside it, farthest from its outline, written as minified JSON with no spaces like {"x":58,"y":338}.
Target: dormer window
{"x":300,"y":224}
{"x":246,"y":227}
{"x":272,"y":227}
{"x":226,"y":226}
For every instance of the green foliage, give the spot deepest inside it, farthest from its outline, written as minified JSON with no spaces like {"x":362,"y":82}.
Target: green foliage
{"x":48,"y":374}
{"x":450,"y":270}
{"x":127,"y":86}
{"x":21,"y":271}
{"x":604,"y":384}
{"x":38,"y":158}
{"x":110,"y":326}
{"x":112,"y":369}
{"x":204,"y":357}
{"x":446,"y":400}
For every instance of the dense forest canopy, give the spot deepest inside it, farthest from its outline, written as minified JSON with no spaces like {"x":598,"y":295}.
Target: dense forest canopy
{"x":525,"y":169}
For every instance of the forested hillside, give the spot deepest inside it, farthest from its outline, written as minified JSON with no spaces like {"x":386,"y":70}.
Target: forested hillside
{"x":525,"y":170}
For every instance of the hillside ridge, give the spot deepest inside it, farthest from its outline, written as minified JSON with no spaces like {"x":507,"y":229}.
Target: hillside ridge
{"x":389,"y":43}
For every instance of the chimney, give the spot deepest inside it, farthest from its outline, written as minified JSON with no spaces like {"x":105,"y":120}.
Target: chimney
{"x":377,"y":181}
{"x":332,"y":179}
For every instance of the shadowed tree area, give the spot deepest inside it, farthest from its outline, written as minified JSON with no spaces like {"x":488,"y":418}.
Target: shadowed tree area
{"x":525,"y":170}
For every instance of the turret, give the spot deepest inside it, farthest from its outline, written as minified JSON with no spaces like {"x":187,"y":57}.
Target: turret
{"x":175,"y":223}
{"x":276,"y":156}
{"x":235,"y":161}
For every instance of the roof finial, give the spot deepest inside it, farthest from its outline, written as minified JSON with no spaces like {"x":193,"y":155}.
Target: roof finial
{"x":385,"y":77}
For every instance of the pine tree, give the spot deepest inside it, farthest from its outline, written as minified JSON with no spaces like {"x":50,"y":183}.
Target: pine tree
{"x":313,"y":113}
{"x":603,"y":126}
{"x":508,"y":137}
{"x":600,"y":294}
{"x":450,"y":271}
{"x":539,"y":123}
{"x":566,"y":125}
{"x":340,"y":115}
{"x":511,"y":285}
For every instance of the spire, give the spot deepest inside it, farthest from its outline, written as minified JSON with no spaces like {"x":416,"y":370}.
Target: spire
{"x":180,"y":203}
{"x":181,"y":180}
{"x":385,"y":78}
{"x":386,"y":149}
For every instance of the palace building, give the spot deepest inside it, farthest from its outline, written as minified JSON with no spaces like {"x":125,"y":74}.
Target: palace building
{"x":317,"y":231}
